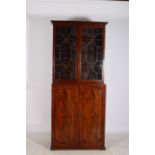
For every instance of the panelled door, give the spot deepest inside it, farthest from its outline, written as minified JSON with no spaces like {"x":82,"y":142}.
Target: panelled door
{"x":64,"y":114}
{"x":91,"y":116}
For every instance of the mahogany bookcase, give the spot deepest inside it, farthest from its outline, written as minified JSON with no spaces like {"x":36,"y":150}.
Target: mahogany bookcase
{"x":78,"y":90}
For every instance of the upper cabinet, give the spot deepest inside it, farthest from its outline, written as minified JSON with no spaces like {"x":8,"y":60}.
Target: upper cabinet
{"x":78,"y":51}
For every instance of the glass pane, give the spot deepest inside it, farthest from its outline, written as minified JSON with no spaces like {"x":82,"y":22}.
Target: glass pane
{"x":92,"y":54}
{"x":65,"y":53}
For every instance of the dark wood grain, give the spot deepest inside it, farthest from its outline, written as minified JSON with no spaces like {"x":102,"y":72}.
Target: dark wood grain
{"x":64,"y":116}
{"x":91,"y":116}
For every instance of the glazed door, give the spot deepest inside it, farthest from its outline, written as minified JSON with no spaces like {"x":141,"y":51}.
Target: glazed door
{"x":91,"y":52}
{"x":65,"y":52}
{"x":91,"y":116}
{"x":64,"y":114}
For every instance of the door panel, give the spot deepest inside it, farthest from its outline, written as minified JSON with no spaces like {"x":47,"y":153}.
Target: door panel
{"x":64,"y":114}
{"x":65,"y":52}
{"x":91,"y":122}
{"x":92,"y":52}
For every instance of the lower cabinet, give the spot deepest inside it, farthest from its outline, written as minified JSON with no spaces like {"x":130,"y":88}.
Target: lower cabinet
{"x":78,"y":116}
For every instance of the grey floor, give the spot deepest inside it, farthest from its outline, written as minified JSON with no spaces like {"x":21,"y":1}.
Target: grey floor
{"x":39,"y":144}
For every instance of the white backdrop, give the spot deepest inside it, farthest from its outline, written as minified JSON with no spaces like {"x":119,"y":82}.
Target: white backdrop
{"x":39,"y":68}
